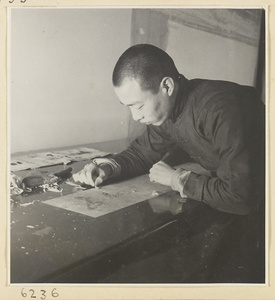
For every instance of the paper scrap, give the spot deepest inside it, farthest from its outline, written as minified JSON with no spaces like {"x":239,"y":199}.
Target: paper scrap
{"x":36,"y":160}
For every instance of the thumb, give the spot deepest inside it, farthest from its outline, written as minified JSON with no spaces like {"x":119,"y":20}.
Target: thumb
{"x":102,"y":176}
{"x":98,"y":181}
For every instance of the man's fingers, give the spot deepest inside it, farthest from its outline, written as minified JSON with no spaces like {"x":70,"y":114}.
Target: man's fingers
{"x":152,"y":177}
{"x":102,"y":176}
{"x":76,"y":177}
{"x":98,"y":181}
{"x":91,"y":174}
{"x":87,"y":175}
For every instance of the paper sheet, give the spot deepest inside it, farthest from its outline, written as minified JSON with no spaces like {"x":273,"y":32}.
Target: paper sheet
{"x":99,"y":202}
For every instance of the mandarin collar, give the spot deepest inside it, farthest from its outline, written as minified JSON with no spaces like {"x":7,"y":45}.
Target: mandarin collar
{"x":181,"y":97}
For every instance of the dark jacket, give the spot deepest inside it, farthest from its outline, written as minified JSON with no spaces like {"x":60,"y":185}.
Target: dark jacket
{"x":220,"y":125}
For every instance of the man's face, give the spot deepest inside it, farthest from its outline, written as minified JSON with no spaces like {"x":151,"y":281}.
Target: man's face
{"x":146,"y":107}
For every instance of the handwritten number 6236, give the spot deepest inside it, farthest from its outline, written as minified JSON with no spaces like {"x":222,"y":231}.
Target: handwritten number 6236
{"x":33,"y":294}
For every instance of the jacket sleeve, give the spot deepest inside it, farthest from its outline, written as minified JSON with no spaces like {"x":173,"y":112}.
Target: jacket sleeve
{"x":143,"y":152}
{"x":229,"y":189}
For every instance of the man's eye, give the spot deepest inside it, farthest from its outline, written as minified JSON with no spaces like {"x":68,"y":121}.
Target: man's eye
{"x":141,"y":106}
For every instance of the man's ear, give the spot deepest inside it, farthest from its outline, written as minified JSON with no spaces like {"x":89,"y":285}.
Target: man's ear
{"x":167,"y":85}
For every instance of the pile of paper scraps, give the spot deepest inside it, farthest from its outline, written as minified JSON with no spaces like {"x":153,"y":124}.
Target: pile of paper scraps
{"x":36,"y":183}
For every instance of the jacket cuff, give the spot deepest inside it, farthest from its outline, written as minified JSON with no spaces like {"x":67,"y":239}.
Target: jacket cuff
{"x":178,"y":181}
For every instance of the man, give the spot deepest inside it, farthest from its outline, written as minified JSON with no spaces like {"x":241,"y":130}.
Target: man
{"x":218,"y":124}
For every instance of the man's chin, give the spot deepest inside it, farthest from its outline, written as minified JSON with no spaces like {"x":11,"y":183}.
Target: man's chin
{"x":156,"y":123}
{"x":159,"y":123}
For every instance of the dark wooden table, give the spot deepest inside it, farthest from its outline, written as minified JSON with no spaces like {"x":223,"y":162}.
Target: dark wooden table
{"x":54,"y":245}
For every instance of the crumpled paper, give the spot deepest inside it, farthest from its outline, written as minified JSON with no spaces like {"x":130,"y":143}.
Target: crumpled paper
{"x":15,"y":185}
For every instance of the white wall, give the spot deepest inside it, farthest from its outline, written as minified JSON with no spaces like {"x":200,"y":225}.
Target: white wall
{"x":199,"y":54}
{"x":61,"y":65}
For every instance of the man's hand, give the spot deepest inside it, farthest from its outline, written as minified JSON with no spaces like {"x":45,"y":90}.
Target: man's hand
{"x":93,"y":174}
{"x":161,"y":173}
